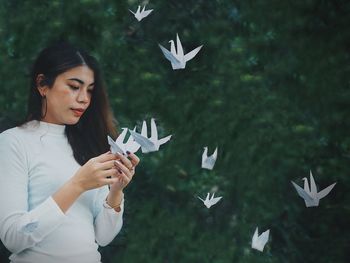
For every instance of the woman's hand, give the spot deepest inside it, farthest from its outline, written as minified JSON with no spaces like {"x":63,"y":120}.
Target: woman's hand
{"x":125,"y":166}
{"x":97,"y":172}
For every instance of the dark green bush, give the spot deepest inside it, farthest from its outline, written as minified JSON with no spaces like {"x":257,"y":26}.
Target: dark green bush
{"x":270,"y":88}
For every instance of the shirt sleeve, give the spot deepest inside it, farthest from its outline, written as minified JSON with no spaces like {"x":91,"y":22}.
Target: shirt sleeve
{"x":108,"y":222}
{"x":20,"y":228}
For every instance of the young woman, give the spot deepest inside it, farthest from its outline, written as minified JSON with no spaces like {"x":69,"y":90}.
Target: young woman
{"x":61,"y":190}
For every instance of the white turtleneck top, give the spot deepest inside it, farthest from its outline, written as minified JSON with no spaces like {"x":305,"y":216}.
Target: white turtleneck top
{"x":35,"y":161}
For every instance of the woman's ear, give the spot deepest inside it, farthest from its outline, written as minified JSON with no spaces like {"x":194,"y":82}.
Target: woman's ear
{"x":41,"y":84}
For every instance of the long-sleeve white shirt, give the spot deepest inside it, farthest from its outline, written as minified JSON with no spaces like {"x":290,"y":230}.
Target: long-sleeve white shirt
{"x":35,"y":161}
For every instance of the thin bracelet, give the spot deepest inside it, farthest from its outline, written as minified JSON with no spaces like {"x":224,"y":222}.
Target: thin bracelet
{"x":115,"y":207}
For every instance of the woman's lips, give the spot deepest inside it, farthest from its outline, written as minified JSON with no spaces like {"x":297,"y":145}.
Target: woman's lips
{"x":77,"y":112}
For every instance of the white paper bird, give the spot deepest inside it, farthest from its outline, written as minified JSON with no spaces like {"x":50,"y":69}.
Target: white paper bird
{"x":149,"y":144}
{"x":141,"y":14}
{"x":119,"y":146}
{"x":209,"y":162}
{"x":210,"y":201}
{"x":310,"y":195}
{"x":176,"y":57}
{"x":258,"y":242}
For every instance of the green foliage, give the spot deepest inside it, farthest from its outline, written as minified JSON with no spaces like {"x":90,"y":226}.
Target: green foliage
{"x":270,"y":88}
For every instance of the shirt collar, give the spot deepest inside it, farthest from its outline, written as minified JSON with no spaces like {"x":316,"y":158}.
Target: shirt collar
{"x":48,"y":128}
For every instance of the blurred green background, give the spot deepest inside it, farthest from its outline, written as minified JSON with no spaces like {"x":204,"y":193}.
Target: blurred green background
{"x":270,"y":88}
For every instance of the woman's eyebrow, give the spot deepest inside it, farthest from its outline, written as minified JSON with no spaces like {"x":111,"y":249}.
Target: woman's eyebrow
{"x":81,"y":82}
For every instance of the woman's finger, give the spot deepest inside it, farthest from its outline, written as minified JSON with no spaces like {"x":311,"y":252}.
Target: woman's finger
{"x":125,"y":179}
{"x":123,"y":168}
{"x":134,"y":159}
{"x":125,"y":161}
{"x":107,"y":165}
{"x":109,"y":173}
{"x":105,"y":157}
{"x":112,"y":180}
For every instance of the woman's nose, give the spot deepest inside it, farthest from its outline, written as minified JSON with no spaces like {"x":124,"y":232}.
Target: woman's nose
{"x":83,"y":96}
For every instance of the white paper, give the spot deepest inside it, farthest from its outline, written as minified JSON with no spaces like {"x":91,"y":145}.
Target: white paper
{"x":259,"y":242}
{"x":119,"y":146}
{"x":209,"y":162}
{"x":139,"y":15}
{"x":176,"y":56}
{"x":310,"y":195}
{"x":149,"y":144}
{"x":210,"y":201}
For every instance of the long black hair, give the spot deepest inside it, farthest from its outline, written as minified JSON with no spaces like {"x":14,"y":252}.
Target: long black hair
{"x":88,"y":137}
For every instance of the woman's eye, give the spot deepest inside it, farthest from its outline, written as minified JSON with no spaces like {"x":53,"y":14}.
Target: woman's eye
{"x":73,"y":87}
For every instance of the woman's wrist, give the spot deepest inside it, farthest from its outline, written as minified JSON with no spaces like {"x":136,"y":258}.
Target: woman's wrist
{"x":115,"y":198}
{"x":74,"y":184}
{"x":66,"y":195}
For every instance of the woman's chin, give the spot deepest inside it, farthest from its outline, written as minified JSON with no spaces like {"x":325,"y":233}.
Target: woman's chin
{"x":72,"y":121}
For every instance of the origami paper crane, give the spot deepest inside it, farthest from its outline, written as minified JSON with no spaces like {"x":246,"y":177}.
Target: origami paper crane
{"x":149,"y":144}
{"x":119,"y":146}
{"x":141,"y":14}
{"x":258,"y":242}
{"x":176,"y":56}
{"x":209,"y":162}
{"x":210,"y":201}
{"x":311,"y":196}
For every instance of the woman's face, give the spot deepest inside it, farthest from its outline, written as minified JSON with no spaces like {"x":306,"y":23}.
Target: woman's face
{"x":69,"y":96}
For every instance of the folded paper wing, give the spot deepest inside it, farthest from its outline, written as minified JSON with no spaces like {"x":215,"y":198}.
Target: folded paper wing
{"x":118,"y":146}
{"x":145,"y":13}
{"x":146,"y":144}
{"x":310,"y":194}
{"x":176,"y":55}
{"x":193,"y":53}
{"x":209,"y":162}
{"x":152,"y":143}
{"x":325,"y":191}
{"x":175,"y":63}
{"x":114,"y":147}
{"x":309,"y":201}
{"x":139,"y":15}
{"x":259,"y":242}
{"x":130,"y":145}
{"x":210,"y":201}
{"x":137,"y":11}
{"x":154,"y":134}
